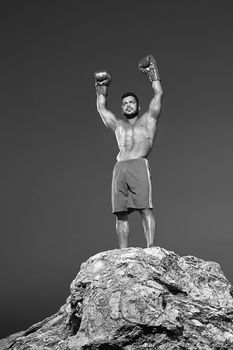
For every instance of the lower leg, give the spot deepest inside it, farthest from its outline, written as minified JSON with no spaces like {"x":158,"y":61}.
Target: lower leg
{"x":148,"y":223}
{"x":122,"y":228}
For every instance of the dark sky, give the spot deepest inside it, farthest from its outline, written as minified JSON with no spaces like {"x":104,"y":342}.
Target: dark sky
{"x":57,"y":156}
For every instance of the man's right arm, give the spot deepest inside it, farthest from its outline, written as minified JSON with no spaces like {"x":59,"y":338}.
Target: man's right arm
{"x":102,"y":81}
{"x":108,"y":117}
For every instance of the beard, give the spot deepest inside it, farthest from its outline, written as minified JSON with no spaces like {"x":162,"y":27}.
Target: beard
{"x":131,"y":115}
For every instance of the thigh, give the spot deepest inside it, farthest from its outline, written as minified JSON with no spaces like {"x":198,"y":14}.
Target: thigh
{"x":119,"y":190}
{"x":140,"y":187}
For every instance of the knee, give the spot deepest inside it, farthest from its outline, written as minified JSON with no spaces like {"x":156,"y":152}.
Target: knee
{"x":146,"y":213}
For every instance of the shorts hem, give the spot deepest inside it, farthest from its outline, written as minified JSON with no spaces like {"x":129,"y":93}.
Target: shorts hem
{"x":132,"y":208}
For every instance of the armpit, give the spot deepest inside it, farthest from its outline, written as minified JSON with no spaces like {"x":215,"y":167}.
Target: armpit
{"x":151,"y":122}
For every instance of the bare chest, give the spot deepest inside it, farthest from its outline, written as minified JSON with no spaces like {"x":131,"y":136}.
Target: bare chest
{"x":131,"y":135}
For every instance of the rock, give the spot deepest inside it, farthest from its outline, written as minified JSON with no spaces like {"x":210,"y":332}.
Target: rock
{"x":136,"y":299}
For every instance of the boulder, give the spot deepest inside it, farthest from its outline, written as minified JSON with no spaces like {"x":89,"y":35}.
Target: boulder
{"x":136,"y":299}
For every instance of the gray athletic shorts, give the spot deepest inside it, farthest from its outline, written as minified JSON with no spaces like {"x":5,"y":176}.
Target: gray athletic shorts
{"x":131,"y":185}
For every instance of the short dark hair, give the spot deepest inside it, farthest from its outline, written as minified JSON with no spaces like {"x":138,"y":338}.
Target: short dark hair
{"x":128,"y":93}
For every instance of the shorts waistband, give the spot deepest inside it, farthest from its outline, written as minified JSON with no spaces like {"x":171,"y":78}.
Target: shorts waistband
{"x":131,"y":160}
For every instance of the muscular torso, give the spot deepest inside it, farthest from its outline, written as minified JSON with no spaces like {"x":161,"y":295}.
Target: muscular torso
{"x":135,"y":141}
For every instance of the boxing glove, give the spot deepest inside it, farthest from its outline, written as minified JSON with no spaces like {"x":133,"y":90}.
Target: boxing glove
{"x":148,"y":66}
{"x":102,"y":81}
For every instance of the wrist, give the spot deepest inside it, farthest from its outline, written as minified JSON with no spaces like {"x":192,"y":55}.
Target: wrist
{"x":102,"y":90}
{"x":154,"y":74}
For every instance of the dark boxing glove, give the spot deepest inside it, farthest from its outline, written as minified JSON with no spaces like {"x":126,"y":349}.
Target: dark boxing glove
{"x":148,"y":66}
{"x":102,"y":81}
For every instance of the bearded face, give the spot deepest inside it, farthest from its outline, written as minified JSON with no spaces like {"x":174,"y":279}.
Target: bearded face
{"x":129,"y":107}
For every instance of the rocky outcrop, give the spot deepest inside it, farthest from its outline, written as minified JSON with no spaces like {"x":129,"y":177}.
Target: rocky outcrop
{"x":135,"y":299}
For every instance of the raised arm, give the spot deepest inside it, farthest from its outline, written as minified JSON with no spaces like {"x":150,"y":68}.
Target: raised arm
{"x":102,"y":82}
{"x":148,"y":66}
{"x":156,"y":102}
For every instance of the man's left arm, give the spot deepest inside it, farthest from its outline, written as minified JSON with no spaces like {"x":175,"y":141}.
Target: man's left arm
{"x":148,"y":66}
{"x":156,"y":102}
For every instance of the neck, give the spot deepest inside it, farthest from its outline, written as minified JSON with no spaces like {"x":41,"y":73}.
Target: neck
{"x":133,"y":120}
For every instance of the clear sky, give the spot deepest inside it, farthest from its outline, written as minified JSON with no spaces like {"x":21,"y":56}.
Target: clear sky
{"x":57,"y":156}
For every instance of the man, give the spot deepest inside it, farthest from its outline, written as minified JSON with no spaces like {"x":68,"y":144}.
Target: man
{"x":131,"y":183}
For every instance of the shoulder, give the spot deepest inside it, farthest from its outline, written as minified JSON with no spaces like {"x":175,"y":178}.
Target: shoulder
{"x":148,"y":117}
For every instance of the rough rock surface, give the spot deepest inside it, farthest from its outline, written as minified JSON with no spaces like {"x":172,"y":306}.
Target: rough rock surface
{"x":135,"y":299}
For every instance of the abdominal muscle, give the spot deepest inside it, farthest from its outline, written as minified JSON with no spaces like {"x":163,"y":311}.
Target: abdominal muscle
{"x":133,"y":143}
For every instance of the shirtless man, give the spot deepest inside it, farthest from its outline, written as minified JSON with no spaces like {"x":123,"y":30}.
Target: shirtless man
{"x":131,"y":183}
